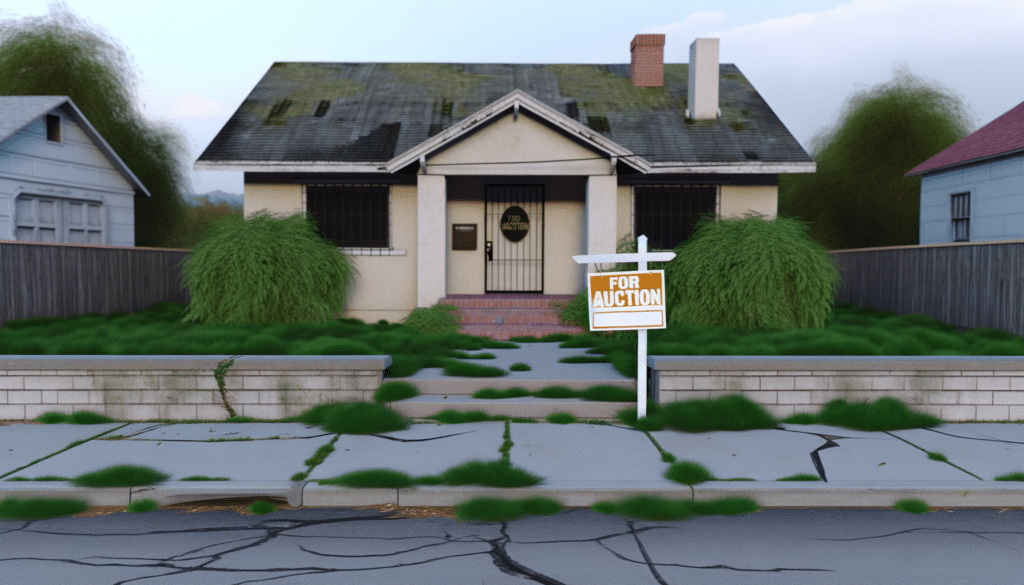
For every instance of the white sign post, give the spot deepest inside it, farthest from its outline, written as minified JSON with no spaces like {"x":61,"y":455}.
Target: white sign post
{"x":628,"y":301}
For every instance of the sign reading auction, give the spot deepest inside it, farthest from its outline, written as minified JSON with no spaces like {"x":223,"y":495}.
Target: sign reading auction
{"x":515,"y":223}
{"x":626,"y":300}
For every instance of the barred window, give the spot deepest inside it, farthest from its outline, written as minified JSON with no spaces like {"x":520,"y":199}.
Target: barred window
{"x":352,"y":216}
{"x":666,"y":214}
{"x":961,"y":214}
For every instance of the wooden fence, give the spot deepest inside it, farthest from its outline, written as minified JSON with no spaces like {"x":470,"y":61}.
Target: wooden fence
{"x":64,"y":280}
{"x":968,"y":284}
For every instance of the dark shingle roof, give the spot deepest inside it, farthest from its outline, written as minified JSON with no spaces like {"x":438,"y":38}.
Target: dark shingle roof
{"x":1002,"y":135}
{"x":371,"y":112}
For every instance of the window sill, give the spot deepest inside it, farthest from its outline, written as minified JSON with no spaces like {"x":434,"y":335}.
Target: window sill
{"x":371,"y":252}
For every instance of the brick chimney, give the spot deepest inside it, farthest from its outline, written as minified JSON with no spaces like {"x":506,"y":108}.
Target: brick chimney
{"x":702,"y":90}
{"x":647,"y":60}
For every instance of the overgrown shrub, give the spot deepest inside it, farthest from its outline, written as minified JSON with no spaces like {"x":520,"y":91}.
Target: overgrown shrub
{"x":751,"y":273}
{"x":437,"y":319}
{"x":266,"y":269}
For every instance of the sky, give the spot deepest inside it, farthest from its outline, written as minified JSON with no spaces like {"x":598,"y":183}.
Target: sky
{"x":197,"y":60}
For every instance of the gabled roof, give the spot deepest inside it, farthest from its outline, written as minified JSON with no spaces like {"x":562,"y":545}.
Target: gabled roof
{"x":371,"y":117}
{"x":1002,"y":136}
{"x":19,"y":111}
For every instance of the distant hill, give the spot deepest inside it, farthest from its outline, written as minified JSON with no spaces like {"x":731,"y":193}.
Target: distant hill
{"x":215,"y":197}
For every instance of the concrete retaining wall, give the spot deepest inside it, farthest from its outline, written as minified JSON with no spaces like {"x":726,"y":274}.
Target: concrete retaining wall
{"x":953,"y":388}
{"x":182,"y":387}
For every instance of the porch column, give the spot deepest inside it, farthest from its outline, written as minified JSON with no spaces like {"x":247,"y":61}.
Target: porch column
{"x":601,"y":220}
{"x":431,"y":227}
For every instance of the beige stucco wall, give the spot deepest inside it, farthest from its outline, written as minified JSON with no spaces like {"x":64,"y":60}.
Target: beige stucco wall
{"x":564,"y":238}
{"x":465,"y":267}
{"x":284,"y":199}
{"x":386,"y":285}
{"x":624,"y":213}
{"x":739,"y":199}
{"x":505,"y":140}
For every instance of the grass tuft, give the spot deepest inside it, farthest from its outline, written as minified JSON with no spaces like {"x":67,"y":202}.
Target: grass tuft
{"x":728,"y":413}
{"x":40,"y":478}
{"x":143,"y":506}
{"x":584,"y":359}
{"x":361,"y":418}
{"x":561,"y":418}
{"x":608,"y":394}
{"x":395,"y":391}
{"x":801,"y":418}
{"x":1011,"y":477}
{"x":39,"y":508}
{"x":121,"y":476}
{"x":662,"y":509}
{"x":938,"y":457}
{"x":912,"y":506}
{"x":501,"y":510}
{"x":492,"y":394}
{"x":688,"y":472}
{"x":489,"y":473}
{"x":203,"y":478}
{"x":885,"y":414}
{"x":454,"y":417}
{"x":260,"y":507}
{"x":465,"y":370}
{"x":520,"y":367}
{"x":371,"y":478}
{"x":800,"y":477}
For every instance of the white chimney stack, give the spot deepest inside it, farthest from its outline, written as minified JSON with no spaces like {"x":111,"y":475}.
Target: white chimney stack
{"x":702,"y":90}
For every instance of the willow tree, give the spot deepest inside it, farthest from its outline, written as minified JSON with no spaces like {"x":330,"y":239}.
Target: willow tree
{"x":858,"y":197}
{"x":61,"y":54}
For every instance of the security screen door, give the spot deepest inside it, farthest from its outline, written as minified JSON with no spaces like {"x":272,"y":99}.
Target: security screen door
{"x":514,"y":238}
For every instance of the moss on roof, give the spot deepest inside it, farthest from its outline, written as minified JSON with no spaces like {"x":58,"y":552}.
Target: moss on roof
{"x":437,"y":79}
{"x":605,"y":92}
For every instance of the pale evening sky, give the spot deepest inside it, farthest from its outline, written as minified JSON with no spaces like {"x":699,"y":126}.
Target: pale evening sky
{"x":198,"y":59}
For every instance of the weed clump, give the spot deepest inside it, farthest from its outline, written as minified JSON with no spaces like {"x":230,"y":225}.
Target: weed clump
{"x":82,"y":417}
{"x":911,"y":506}
{"x":355,"y":418}
{"x":143,"y":506}
{"x":454,"y":417}
{"x":885,"y":414}
{"x":561,"y":418}
{"x":465,"y":370}
{"x":662,"y":509}
{"x":688,"y":473}
{"x":121,"y":476}
{"x":39,"y":508}
{"x":395,"y":391}
{"x":728,"y":413}
{"x":371,"y":478}
{"x":487,"y":473}
{"x":261,"y":507}
{"x":437,"y":319}
{"x":800,"y":477}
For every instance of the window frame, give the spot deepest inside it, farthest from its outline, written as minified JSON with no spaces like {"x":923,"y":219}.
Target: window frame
{"x":715,"y":206}
{"x":62,"y":226}
{"x":362,"y":250}
{"x":960,"y":216}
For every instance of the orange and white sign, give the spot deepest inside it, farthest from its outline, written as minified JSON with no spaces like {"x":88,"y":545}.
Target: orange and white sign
{"x":626,"y":300}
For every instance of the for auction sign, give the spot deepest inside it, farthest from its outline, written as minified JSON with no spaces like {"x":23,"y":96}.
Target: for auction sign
{"x":626,"y":300}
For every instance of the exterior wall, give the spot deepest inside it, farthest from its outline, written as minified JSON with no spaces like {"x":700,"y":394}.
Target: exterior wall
{"x":284,"y":198}
{"x":735,"y":200}
{"x":431,"y":225}
{"x":73,"y":168}
{"x":466,"y":267}
{"x":623,"y":213}
{"x":564,"y":230}
{"x":525,"y":139}
{"x":602,"y":224}
{"x":997,"y":201}
{"x":386,"y":285}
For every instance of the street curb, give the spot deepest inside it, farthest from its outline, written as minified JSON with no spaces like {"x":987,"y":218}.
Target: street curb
{"x":180,"y":492}
{"x":858,"y":494}
{"x":111,"y":496}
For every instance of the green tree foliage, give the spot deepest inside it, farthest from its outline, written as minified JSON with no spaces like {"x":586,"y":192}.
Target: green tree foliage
{"x":266,"y":270}
{"x":751,"y":273}
{"x":198,"y":221}
{"x":60,"y":54}
{"x":858,"y":197}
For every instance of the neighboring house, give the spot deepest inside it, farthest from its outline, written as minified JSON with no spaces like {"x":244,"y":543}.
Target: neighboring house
{"x":59,"y":180}
{"x":973,"y":191}
{"x":444,"y":179}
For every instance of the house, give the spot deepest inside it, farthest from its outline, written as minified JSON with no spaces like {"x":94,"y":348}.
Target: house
{"x":973,"y":191}
{"x":59,"y":179}
{"x":470,"y":179}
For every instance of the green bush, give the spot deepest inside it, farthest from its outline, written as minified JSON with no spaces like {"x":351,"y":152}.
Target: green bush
{"x":437,"y":319}
{"x":371,"y":478}
{"x":501,"y":510}
{"x":751,"y":273}
{"x":121,"y":476}
{"x":728,"y":413}
{"x":885,"y":414}
{"x":265,"y":270}
{"x":489,"y":473}
{"x":688,"y":472}
{"x":519,"y":367}
{"x":576,"y":312}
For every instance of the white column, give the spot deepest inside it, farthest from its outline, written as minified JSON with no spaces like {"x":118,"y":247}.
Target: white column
{"x":601,"y":220}
{"x":431,"y":227}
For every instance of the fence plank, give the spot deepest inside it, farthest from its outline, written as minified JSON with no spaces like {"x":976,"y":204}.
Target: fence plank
{"x":64,"y":280}
{"x":968,"y":285}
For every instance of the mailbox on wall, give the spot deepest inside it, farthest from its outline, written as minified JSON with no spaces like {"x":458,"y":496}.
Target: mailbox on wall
{"x":463,"y":236}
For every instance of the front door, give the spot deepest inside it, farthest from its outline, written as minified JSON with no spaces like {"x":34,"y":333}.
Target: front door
{"x":514,"y":238}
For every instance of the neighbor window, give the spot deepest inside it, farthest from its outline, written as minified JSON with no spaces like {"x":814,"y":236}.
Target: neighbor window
{"x":961,"y":213}
{"x":52,"y":219}
{"x":666,"y":214}
{"x":352,"y":216}
{"x":52,"y":128}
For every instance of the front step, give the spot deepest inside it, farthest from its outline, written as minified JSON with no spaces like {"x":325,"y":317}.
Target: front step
{"x":502,"y":316}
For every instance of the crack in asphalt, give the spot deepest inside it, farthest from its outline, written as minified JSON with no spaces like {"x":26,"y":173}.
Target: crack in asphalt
{"x":197,"y":561}
{"x":816,"y":459}
{"x":978,"y":533}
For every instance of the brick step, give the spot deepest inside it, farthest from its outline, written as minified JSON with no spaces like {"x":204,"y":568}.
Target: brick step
{"x":506,"y":331}
{"x":510,"y":316}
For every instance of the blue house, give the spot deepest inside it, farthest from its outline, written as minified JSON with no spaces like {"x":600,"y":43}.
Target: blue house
{"x":973,"y":191}
{"x":60,"y":181}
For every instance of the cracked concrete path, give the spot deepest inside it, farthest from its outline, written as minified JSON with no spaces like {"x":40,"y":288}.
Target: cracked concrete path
{"x":576,"y":546}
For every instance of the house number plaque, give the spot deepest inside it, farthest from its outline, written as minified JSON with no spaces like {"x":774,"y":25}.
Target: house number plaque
{"x":515,"y":223}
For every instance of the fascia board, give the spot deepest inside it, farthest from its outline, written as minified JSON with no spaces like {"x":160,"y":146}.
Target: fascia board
{"x":496,"y":109}
{"x":257,"y":166}
{"x":107,"y":150}
{"x":738,"y":168}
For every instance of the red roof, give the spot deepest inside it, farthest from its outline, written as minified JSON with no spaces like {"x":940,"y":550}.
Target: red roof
{"x":1004,"y":134}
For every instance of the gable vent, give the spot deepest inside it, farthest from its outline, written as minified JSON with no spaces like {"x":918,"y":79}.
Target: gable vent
{"x":278,"y":110}
{"x":322,"y":108}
